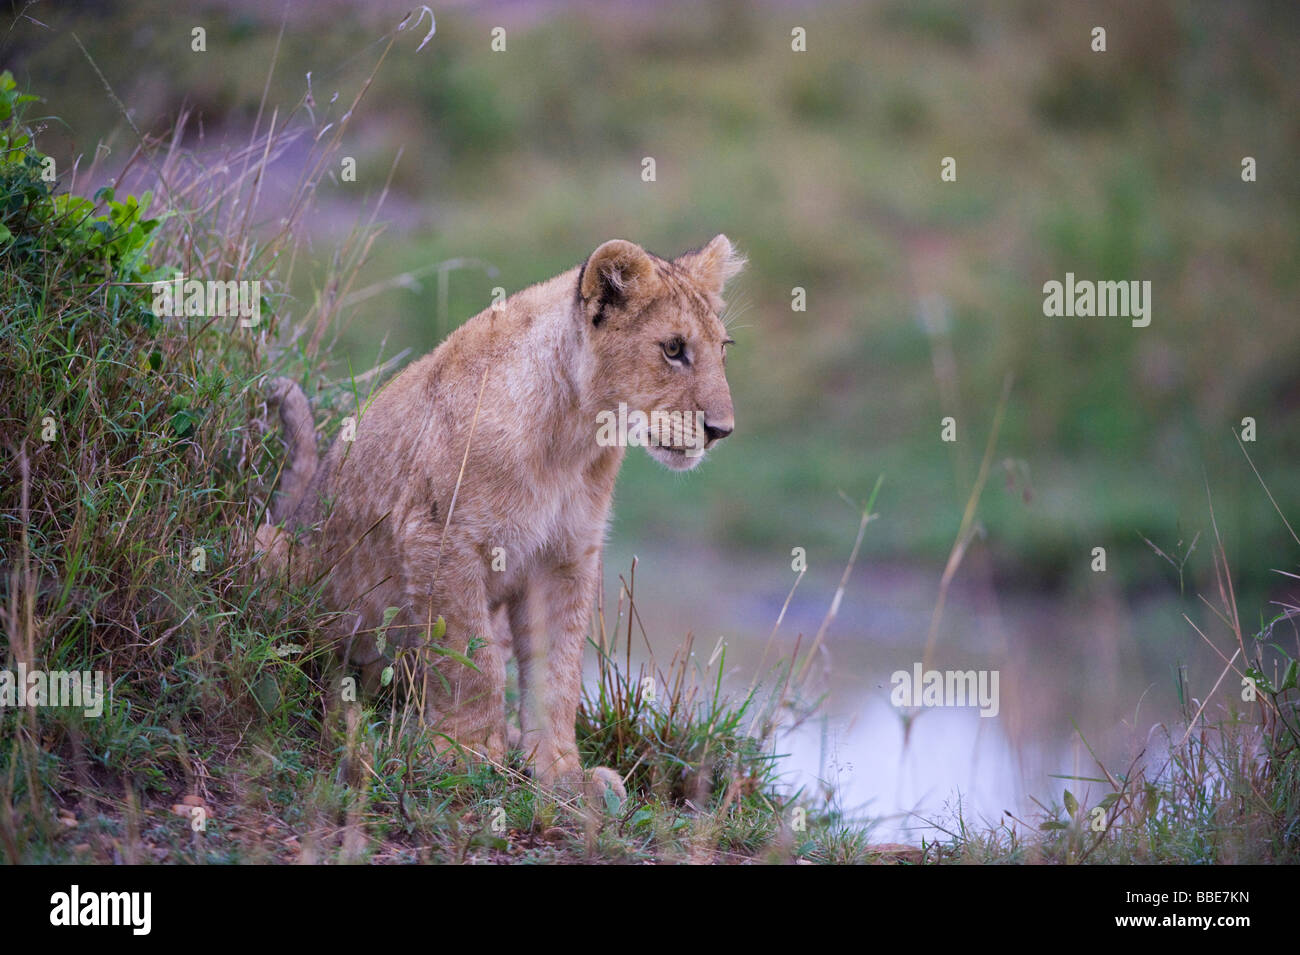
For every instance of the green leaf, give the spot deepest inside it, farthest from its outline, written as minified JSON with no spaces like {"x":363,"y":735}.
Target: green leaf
{"x":458,"y":657}
{"x":1261,"y":681}
{"x":1288,"y":678}
{"x":1052,"y":825}
{"x":1071,"y":804}
{"x":386,"y":676}
{"x":182,"y":423}
{"x":267,"y":692}
{"x":612,"y":802}
{"x":381,"y":632}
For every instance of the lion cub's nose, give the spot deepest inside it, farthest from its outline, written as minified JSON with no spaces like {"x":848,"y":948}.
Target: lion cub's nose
{"x":716,"y":432}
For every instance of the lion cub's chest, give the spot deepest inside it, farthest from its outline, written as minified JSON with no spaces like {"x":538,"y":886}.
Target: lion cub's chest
{"x":544,"y":525}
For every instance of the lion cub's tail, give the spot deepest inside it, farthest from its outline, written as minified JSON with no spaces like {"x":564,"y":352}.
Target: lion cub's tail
{"x":302,"y":459}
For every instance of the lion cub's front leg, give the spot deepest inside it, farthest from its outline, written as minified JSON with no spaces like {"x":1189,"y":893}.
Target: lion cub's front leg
{"x":548,"y":625}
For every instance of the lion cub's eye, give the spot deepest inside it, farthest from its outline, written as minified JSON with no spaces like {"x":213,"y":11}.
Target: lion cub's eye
{"x":674,"y":349}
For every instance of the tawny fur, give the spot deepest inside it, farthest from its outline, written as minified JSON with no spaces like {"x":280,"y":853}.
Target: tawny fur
{"x":376,"y":516}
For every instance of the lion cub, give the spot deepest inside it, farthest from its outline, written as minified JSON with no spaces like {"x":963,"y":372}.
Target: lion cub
{"x":480,"y":479}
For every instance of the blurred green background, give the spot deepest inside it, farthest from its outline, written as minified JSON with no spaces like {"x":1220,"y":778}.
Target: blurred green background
{"x":823,"y":166}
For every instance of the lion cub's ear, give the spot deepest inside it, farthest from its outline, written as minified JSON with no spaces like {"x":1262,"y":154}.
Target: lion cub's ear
{"x":713,"y":264}
{"x":619,"y":275}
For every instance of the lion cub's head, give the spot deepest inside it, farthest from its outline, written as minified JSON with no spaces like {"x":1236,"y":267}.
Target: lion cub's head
{"x":660,"y":347}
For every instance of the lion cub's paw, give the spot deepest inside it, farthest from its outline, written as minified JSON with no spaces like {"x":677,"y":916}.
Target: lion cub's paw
{"x":601,"y":784}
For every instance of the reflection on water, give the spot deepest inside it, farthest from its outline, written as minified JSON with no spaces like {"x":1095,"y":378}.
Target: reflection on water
{"x":1087,"y":660}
